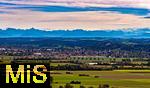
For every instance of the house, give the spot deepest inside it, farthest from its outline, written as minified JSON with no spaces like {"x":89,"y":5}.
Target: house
{"x":92,"y":63}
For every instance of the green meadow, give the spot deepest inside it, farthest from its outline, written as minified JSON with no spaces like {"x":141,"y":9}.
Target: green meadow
{"x":116,"y":79}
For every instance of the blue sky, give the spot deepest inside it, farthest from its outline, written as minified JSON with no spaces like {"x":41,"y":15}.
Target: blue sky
{"x":75,"y":14}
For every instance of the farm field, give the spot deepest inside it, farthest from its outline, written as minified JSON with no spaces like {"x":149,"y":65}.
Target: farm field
{"x":56,"y":64}
{"x":116,"y":78}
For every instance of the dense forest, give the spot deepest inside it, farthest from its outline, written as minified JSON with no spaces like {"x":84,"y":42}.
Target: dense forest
{"x":86,"y":43}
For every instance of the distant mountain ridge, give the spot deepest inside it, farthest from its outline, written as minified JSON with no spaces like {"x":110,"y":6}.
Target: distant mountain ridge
{"x":130,"y":33}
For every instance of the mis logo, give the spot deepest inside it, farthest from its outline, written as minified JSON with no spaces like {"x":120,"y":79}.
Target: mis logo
{"x":25,"y":75}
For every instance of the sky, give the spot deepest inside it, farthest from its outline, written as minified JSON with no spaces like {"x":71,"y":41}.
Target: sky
{"x":75,"y":14}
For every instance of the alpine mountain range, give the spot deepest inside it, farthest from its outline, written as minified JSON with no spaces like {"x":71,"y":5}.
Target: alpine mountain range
{"x":32,"y":32}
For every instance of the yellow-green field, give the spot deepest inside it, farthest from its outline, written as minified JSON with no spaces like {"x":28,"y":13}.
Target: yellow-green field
{"x":56,"y":64}
{"x":116,"y":79}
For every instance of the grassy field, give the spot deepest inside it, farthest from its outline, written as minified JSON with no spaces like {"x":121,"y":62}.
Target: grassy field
{"x":116,"y":79}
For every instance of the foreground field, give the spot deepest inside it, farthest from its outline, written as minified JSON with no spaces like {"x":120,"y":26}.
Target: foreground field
{"x":116,"y":79}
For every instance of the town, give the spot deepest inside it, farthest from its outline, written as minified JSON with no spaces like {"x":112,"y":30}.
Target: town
{"x":99,"y":58}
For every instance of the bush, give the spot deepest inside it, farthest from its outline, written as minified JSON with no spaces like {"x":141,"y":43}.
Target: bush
{"x":61,"y":87}
{"x":103,"y":86}
{"x":68,"y":86}
{"x":69,"y":73}
{"x":91,"y":87}
{"x":75,"y":82}
{"x":82,"y":86}
{"x":96,"y":76}
{"x":83,"y":75}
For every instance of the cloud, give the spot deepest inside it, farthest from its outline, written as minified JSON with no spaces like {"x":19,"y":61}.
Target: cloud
{"x":72,"y":20}
{"x":47,"y":8}
{"x":86,"y":3}
{"x":75,"y":14}
{"x":6,"y":4}
{"x":120,"y":6}
{"x":147,"y":17}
